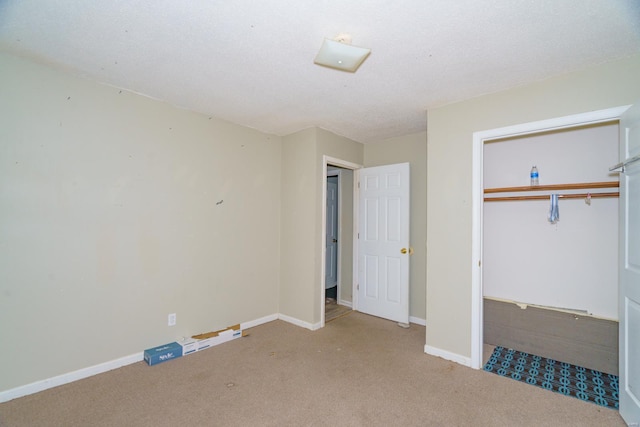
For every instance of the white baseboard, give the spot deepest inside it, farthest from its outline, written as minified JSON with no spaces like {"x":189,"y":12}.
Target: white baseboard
{"x":454,"y":357}
{"x":298,"y":322}
{"x":260,"y":321}
{"x":42,"y":385}
{"x":37,"y":386}
{"x":417,"y":321}
{"x":345,"y":303}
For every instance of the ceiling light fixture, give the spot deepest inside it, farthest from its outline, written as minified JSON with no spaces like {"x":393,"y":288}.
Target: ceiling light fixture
{"x":340,"y":54}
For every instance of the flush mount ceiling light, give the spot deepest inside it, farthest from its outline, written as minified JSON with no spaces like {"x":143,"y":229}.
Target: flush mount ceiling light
{"x":340,"y":54}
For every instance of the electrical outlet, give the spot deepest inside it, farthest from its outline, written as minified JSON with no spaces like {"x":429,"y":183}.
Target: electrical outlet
{"x":172,"y":319}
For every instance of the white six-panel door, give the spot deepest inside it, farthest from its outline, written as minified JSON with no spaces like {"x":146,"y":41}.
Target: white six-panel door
{"x":629,"y":287}
{"x":383,"y":242}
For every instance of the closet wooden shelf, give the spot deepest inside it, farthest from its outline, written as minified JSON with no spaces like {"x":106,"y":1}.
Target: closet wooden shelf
{"x":553,"y":188}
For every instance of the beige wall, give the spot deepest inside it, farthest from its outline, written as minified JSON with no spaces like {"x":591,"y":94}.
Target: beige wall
{"x":302,"y":277}
{"x":298,"y":237}
{"x":116,"y":210}
{"x":449,"y":178}
{"x":412,"y":149}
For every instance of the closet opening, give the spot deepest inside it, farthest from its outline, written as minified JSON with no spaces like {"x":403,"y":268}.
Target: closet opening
{"x":550,"y":284}
{"x":529,"y":253}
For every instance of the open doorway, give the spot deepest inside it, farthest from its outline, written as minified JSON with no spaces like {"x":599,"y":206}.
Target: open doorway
{"x":338,"y":242}
{"x":339,"y":223}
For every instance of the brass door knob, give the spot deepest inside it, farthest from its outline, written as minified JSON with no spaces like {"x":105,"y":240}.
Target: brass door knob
{"x":404,"y":251}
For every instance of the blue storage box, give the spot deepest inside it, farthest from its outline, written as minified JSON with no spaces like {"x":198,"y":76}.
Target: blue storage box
{"x":162,"y":353}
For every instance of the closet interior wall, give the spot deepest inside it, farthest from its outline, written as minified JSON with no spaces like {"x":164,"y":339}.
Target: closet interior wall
{"x":548,"y":287}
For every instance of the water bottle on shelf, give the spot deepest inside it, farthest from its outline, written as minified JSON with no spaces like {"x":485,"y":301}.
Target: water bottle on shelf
{"x":534,"y":176}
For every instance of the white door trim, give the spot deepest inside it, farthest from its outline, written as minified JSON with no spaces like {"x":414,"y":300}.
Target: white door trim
{"x":327,"y":160}
{"x":479,"y":138}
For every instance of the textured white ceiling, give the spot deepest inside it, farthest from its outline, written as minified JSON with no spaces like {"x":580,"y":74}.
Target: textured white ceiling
{"x":251,"y":62}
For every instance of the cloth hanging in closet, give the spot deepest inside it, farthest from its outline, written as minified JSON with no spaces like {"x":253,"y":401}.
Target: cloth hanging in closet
{"x":554,"y":213}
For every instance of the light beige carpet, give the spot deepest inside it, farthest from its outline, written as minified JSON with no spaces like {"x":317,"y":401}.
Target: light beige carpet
{"x":357,"y":371}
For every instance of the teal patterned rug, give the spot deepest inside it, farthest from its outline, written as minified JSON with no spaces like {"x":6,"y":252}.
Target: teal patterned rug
{"x":570,"y":380}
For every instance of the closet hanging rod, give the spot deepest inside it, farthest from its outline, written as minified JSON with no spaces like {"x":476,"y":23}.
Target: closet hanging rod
{"x":578,"y":186}
{"x":543,"y":197}
{"x":623,"y":165}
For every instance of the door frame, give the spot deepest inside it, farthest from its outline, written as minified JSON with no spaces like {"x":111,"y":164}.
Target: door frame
{"x":479,"y":139}
{"x":326,"y":161}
